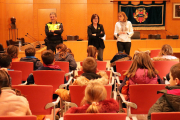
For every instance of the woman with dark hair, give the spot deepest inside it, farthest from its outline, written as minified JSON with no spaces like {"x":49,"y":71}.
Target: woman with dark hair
{"x":11,"y":103}
{"x":95,"y":34}
{"x":123,"y":32}
{"x":63,"y":55}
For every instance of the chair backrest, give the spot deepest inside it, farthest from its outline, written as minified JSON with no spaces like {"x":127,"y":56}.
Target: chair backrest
{"x":122,"y":65}
{"x":49,"y":77}
{"x":101,"y":65}
{"x":165,"y":116}
{"x":25,"y":67}
{"x":163,"y":67}
{"x":154,"y":53}
{"x":63,"y":65}
{"x":38,"y":96}
{"x":136,"y":35}
{"x":16,"y":77}
{"x":28,"y":117}
{"x":144,"y":95}
{"x":77,"y":93}
{"x":95,"y":116}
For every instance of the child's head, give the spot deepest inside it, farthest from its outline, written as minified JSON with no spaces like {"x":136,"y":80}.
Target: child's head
{"x":92,"y":51}
{"x":166,"y":50}
{"x":12,"y":51}
{"x":61,"y":48}
{"x":94,"y":93}
{"x":5,"y":60}
{"x":48,"y":57}
{"x":89,"y":65}
{"x":4,"y":79}
{"x":175,"y":75}
{"x":142,"y":60}
{"x":30,"y":51}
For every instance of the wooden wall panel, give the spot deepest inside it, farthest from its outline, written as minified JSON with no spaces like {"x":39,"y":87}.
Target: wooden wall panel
{"x":39,"y":28}
{"x":74,"y":19}
{"x":24,"y":19}
{"x":105,"y":16}
{"x":18,"y":1}
{"x":46,"y":1}
{"x":2,"y":41}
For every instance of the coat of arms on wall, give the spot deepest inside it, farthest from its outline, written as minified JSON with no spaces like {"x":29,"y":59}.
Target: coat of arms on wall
{"x":140,"y":15}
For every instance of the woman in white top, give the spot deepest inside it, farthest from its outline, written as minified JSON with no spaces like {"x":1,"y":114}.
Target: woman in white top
{"x":123,"y":32}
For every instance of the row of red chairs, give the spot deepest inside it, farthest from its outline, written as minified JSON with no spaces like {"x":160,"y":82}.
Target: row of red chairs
{"x":40,"y":95}
{"x":101,"y":116}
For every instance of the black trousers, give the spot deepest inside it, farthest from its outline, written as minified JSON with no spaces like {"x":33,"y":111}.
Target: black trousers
{"x":124,"y":46}
{"x":100,"y":54}
{"x":52,"y":45}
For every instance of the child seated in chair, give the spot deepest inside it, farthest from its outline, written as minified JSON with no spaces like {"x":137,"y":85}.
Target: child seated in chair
{"x":48,"y":64}
{"x":30,"y":57}
{"x":12,"y":51}
{"x":95,"y":101}
{"x":141,"y":71}
{"x":89,"y":67}
{"x":5,"y":61}
{"x":11,"y":101}
{"x":170,"y":101}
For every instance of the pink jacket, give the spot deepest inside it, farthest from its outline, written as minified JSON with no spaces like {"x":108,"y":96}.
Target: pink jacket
{"x":13,"y":105}
{"x":142,"y":78}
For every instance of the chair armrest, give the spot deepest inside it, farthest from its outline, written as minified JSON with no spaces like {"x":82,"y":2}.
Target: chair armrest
{"x":52,"y":104}
{"x":68,"y":83}
{"x":69,"y":74}
{"x":25,"y":83}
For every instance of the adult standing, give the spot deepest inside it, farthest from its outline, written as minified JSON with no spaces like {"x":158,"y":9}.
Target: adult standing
{"x":53,"y":32}
{"x":123,"y":32}
{"x":95,"y":34}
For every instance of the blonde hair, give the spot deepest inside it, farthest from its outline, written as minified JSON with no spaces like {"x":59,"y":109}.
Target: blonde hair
{"x":94,"y":93}
{"x":123,"y":14}
{"x":166,"y":50}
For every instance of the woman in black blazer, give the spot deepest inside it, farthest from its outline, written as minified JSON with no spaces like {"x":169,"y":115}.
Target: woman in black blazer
{"x":95,"y":34}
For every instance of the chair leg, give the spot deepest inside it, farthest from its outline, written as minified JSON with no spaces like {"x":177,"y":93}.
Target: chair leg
{"x":61,"y":106}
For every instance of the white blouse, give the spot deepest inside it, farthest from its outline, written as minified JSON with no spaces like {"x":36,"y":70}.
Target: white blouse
{"x":123,"y":27}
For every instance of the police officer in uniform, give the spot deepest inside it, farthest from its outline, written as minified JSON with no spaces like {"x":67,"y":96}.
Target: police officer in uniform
{"x":53,"y":32}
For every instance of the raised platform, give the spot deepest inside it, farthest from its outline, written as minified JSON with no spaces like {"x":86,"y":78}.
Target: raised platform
{"x":79,"y":48}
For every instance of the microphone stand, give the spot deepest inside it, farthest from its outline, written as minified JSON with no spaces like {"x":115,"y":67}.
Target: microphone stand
{"x":32,"y":38}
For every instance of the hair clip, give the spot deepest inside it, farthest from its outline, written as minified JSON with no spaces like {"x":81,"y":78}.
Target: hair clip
{"x":95,"y":103}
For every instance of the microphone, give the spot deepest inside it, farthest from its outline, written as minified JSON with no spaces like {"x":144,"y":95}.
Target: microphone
{"x":37,"y":46}
{"x":32,"y":38}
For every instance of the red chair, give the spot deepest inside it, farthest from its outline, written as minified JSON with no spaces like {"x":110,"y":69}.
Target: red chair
{"x":164,"y":67}
{"x":49,"y":77}
{"x":25,"y":67}
{"x":63,"y":65}
{"x":38,"y":96}
{"x":122,"y":65}
{"x":101,"y":65}
{"x":28,"y":117}
{"x":95,"y":116}
{"x":154,"y":53}
{"x":77,"y":93}
{"x":165,"y":116}
{"x":16,"y":77}
{"x":144,"y":96}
